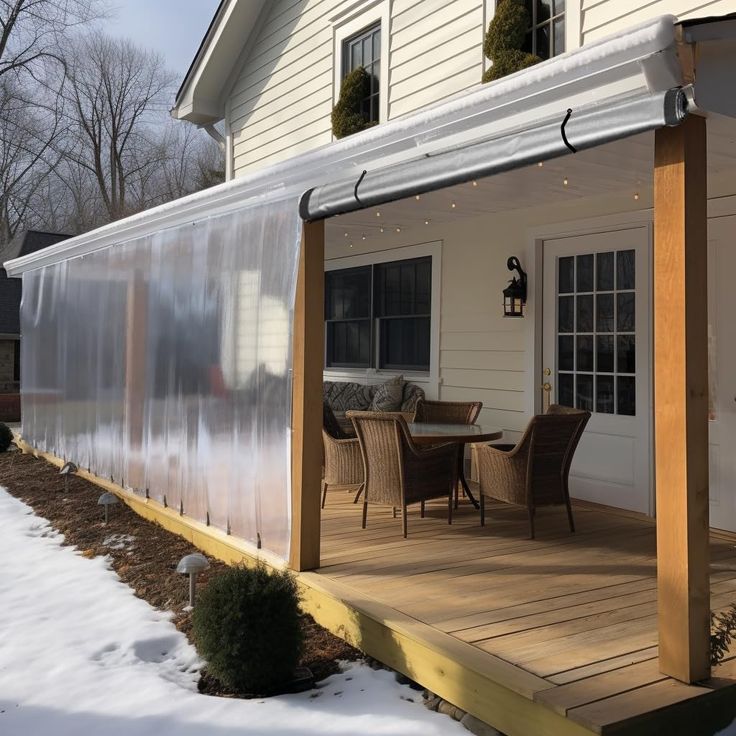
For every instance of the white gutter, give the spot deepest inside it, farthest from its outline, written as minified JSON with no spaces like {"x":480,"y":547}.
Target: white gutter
{"x":642,"y":59}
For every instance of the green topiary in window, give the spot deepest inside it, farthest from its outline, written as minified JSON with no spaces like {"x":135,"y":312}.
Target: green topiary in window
{"x":505,"y":38}
{"x":247,"y":626}
{"x":347,"y":115}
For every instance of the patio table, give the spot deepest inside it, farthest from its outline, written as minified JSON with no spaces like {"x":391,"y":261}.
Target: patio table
{"x":427,"y":433}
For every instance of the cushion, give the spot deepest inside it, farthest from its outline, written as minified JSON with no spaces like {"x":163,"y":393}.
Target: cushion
{"x":412,"y":394}
{"x":389,"y":395}
{"x":342,"y":396}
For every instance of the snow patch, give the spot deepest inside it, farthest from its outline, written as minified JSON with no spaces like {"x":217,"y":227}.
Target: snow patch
{"x":119,"y":541}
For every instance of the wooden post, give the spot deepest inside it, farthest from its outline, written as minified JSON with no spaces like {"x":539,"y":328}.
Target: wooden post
{"x":681,"y":399}
{"x":306,"y":436}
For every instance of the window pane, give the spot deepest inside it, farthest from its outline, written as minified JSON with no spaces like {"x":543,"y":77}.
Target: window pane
{"x":356,"y":58}
{"x":565,"y":282}
{"x":348,"y":293}
{"x":349,"y":344}
{"x":566,"y":353}
{"x":566,"y":316}
{"x":626,"y":317}
{"x":625,"y":270}
{"x":584,"y":321}
{"x":585,"y":353}
{"x":404,"y":287}
{"x":604,"y":313}
{"x":559,"y":6}
{"x":604,"y":353}
{"x":377,"y":45}
{"x":604,"y":395}
{"x":626,"y":362}
{"x":559,"y":36}
{"x":542,"y":35}
{"x":405,"y":343}
{"x":544,"y":10}
{"x":604,"y":272}
{"x":585,"y":272}
{"x":584,"y":393}
{"x":565,"y":390}
{"x":627,"y":395}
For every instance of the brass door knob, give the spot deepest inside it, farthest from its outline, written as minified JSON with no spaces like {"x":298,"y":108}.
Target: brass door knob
{"x":547,"y":386}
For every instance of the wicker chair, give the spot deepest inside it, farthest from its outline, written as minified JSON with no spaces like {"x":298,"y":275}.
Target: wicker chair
{"x":534,"y":472}
{"x":398,"y":473}
{"x":343,"y":463}
{"x":449,"y":412}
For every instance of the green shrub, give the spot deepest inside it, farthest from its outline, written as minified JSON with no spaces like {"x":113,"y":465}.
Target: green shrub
{"x":6,"y":437}
{"x":347,"y":115}
{"x":505,"y":39}
{"x":247,"y":626}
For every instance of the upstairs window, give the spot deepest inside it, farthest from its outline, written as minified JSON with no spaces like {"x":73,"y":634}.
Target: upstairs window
{"x":546,"y":36}
{"x":364,"y":49}
{"x":379,"y":316}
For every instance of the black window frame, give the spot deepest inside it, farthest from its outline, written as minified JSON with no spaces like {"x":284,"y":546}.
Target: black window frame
{"x":371,"y":105}
{"x":387,"y":310}
{"x":538,"y":24}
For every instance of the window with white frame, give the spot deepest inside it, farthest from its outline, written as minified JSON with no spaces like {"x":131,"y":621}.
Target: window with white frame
{"x":364,"y":49}
{"x":546,"y":35}
{"x":379,"y":316}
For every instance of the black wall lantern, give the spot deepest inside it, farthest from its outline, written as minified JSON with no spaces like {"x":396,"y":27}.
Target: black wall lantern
{"x":514,"y":295}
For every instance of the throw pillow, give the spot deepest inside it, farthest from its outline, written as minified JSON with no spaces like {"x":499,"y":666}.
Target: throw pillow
{"x":389,"y":395}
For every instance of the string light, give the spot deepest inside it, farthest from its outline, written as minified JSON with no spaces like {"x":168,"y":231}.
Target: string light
{"x":540,"y":164}
{"x":398,"y":229}
{"x":453,"y":205}
{"x":564,"y":181}
{"x":417,"y":197}
{"x":636,"y":196}
{"x":383,"y":229}
{"x":363,"y":236}
{"x":378,"y":213}
{"x":475,"y":183}
{"x":346,"y":235}
{"x":426,"y":222}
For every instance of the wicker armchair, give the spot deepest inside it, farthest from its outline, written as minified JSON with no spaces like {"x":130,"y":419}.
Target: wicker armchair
{"x":450,"y":412}
{"x":535,"y":472}
{"x":398,"y":473}
{"x":343,"y":463}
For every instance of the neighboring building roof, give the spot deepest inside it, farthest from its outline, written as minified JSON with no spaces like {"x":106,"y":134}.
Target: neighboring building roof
{"x":201,"y":97}
{"x":24,"y":243}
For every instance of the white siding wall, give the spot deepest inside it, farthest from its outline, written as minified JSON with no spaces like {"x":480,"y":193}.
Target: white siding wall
{"x":603,"y":17}
{"x":281,"y":101}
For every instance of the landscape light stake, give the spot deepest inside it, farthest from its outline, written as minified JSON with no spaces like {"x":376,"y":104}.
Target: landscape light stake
{"x":192,"y":565}
{"x":66,"y":471}
{"x":107,"y":499}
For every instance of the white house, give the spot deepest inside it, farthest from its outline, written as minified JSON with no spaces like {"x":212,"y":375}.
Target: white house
{"x":607,"y":170}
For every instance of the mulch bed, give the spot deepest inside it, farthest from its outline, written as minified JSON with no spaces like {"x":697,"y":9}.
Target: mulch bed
{"x":142,"y":553}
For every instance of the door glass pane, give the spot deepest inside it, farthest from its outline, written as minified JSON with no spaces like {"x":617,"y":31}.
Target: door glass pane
{"x":625,"y":309}
{"x":604,"y":313}
{"x":565,"y":390}
{"x":585,"y":353}
{"x":566,"y":353}
{"x":604,"y":272}
{"x":566,"y":315}
{"x":626,"y":362}
{"x":627,"y":395}
{"x":585,"y":272}
{"x":604,"y":395}
{"x":585,"y":313}
{"x":584,"y":392}
{"x":625,"y":265}
{"x":566,"y":282}
{"x":604,"y":354}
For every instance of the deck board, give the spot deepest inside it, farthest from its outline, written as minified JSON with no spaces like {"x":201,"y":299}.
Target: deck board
{"x":578,"y":612}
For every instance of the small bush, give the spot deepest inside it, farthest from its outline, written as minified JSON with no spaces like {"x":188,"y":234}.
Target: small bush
{"x":723,"y":630}
{"x":6,"y":437}
{"x":347,"y":115}
{"x":505,"y":39}
{"x":247,"y":626}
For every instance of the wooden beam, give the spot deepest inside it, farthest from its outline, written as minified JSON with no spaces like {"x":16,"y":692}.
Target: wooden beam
{"x":306,"y":437}
{"x":681,"y":399}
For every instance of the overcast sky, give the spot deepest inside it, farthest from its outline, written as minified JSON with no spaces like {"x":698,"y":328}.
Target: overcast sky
{"x":174,"y":28}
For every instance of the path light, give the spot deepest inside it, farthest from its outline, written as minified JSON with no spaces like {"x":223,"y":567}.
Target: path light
{"x":107,"y":499}
{"x":67,"y":470}
{"x":192,"y":565}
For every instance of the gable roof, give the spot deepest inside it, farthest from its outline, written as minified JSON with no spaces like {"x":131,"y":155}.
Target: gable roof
{"x":22,"y":244}
{"x":201,"y":98}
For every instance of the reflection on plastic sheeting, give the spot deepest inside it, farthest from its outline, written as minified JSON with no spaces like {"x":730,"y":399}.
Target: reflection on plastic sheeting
{"x":164,"y":362}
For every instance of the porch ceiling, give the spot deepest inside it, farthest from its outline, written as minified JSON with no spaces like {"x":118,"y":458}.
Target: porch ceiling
{"x":621,"y":168}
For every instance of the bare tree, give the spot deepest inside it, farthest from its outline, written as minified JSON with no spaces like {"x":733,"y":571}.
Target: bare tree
{"x":116,"y":95}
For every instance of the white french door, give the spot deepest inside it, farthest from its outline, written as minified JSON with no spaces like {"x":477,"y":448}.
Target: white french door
{"x":596,"y":356}
{"x":722,"y":371}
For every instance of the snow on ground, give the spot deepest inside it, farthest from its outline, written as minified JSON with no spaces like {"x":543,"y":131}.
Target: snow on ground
{"x":80,"y":654}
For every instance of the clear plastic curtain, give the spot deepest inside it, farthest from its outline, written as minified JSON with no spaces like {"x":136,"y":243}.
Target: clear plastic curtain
{"x":164,"y":364}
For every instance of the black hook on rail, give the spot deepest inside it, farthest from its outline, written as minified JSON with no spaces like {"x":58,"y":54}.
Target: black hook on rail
{"x":564,"y":135}
{"x":357,"y":184}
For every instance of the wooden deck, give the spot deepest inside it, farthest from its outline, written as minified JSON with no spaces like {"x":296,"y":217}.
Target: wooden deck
{"x":566,"y":621}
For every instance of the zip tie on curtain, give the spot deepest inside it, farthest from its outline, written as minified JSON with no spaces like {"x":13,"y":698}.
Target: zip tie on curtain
{"x":357,"y":184}
{"x":564,"y":135}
